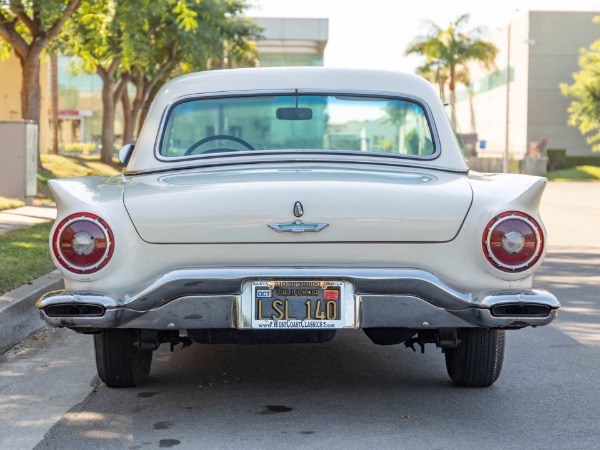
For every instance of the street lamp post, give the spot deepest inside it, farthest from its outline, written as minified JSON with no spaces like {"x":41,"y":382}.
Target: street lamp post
{"x":505,"y":161}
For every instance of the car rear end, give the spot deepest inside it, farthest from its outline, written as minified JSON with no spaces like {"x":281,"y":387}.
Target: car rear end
{"x":264,"y":238}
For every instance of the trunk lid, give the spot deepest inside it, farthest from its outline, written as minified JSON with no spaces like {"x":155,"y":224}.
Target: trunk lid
{"x":247,"y":205}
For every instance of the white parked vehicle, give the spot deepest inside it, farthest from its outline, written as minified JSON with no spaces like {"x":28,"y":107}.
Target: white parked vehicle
{"x":280,"y":205}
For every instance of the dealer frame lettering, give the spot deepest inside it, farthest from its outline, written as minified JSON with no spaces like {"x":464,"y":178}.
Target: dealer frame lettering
{"x":297,"y":304}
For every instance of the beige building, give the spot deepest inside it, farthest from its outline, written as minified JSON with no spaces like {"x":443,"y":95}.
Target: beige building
{"x":10,"y":97}
{"x":292,"y":42}
{"x":543,"y":53}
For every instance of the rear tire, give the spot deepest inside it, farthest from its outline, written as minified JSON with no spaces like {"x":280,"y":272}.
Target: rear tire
{"x":120,"y":363}
{"x":477,"y":360}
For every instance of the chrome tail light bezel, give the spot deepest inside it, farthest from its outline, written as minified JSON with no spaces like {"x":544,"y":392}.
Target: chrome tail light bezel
{"x":487,"y":241}
{"x":64,"y":260}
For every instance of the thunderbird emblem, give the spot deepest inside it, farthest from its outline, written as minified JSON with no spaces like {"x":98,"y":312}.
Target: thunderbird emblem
{"x":297,"y":226}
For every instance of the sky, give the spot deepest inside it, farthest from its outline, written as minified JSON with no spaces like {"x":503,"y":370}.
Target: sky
{"x":375,"y":33}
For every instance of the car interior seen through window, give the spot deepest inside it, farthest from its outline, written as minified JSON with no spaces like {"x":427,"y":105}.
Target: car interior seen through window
{"x":297,"y":122}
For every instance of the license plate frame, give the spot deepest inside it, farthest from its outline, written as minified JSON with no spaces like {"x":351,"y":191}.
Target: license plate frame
{"x":292,"y":309}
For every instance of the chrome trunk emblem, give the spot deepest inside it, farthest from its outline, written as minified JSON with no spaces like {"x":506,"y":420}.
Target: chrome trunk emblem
{"x":298,"y":209}
{"x":297,"y":226}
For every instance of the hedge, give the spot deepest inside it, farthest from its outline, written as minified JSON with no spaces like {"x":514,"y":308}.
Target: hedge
{"x":558,"y":159}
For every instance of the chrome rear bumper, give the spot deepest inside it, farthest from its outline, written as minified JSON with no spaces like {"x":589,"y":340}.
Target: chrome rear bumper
{"x":212,"y":298}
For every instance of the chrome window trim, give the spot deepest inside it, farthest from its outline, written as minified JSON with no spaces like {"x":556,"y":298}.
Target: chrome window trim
{"x":256,"y":93}
{"x":399,"y":164}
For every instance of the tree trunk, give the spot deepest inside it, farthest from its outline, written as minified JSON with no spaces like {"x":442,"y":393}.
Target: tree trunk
{"x":141,"y":92}
{"x":146,"y":105}
{"x":108,"y":121}
{"x":111,"y":94}
{"x":443,"y":89}
{"x":452,"y":85}
{"x":128,"y":118}
{"x":31,"y":92}
{"x":135,"y":111}
{"x":143,"y":114}
{"x":472,"y":110}
{"x":54,"y":103}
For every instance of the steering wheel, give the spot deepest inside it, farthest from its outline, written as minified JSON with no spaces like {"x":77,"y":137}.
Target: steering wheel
{"x":216,"y":137}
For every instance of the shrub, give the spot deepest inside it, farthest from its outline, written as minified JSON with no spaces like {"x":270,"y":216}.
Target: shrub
{"x":558,"y":159}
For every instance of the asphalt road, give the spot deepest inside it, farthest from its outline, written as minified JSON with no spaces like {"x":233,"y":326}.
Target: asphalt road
{"x":348,"y":393}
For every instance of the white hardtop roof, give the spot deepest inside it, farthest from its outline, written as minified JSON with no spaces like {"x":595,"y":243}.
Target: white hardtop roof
{"x":282,"y":78}
{"x":294,"y":78}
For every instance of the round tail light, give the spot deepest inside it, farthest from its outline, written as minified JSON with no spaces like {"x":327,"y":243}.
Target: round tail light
{"x":83,"y":243}
{"x":512,"y":241}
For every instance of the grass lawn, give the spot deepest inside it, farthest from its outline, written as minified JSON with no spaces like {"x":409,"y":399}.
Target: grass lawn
{"x":24,"y":253}
{"x":9,"y":203}
{"x":24,"y":256}
{"x":59,"y":166}
{"x":579,"y":173}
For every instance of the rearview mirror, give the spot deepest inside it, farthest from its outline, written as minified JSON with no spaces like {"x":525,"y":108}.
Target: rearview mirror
{"x":125,"y":153}
{"x":294,"y":113}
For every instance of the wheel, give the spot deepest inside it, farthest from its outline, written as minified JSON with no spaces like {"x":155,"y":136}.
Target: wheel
{"x":477,"y":360}
{"x":217,"y":137}
{"x":120,"y":363}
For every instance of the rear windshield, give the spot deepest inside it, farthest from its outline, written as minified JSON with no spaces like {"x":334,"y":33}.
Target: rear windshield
{"x":297,"y":122}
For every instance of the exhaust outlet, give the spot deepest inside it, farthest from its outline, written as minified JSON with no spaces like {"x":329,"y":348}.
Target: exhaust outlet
{"x":71,"y":310}
{"x":520,"y":310}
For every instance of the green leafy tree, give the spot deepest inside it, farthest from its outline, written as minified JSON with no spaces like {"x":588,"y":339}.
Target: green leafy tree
{"x":584,"y":113}
{"x":105,"y":35}
{"x":28,"y":27}
{"x":145,"y":42}
{"x":215,"y":36}
{"x":453,"y":49}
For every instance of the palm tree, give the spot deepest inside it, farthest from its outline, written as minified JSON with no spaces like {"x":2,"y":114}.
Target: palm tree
{"x":448,"y":52}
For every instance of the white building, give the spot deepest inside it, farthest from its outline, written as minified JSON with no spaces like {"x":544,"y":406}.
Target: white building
{"x":292,"y":42}
{"x":544,"y":52}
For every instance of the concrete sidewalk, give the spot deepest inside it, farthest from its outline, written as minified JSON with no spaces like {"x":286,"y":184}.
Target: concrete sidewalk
{"x":12,"y":219}
{"x":18,"y":315}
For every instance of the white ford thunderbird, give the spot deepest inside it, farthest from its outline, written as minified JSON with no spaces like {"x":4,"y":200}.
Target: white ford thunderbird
{"x":280,"y":205}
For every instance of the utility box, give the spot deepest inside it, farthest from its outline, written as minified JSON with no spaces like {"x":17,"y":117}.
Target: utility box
{"x":18,"y":159}
{"x":536,"y":165}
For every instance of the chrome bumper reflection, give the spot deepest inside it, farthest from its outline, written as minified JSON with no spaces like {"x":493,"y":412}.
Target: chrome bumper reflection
{"x":211,"y":298}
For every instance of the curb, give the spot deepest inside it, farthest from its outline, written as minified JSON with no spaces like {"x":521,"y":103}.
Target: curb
{"x":19,"y":317}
